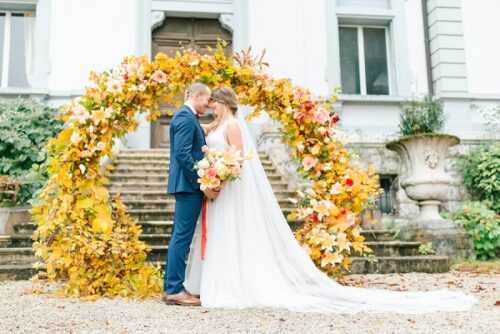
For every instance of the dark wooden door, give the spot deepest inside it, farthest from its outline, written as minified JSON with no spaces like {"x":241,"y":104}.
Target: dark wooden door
{"x":197,"y":34}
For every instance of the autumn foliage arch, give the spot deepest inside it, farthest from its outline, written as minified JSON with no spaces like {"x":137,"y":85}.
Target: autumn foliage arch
{"x":87,"y":240}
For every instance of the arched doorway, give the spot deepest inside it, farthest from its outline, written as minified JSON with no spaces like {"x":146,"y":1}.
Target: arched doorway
{"x":174,"y":33}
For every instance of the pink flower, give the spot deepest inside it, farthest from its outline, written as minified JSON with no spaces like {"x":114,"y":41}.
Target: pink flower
{"x":212,"y":172}
{"x":308,"y":105}
{"x":159,"y":76}
{"x":204,"y":149}
{"x":321,"y":115}
{"x":309,"y":163}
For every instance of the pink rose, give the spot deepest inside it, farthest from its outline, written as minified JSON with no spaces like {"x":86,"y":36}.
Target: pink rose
{"x":212,"y":172}
{"x":321,"y":115}
{"x":309,"y":163}
{"x":159,"y":76}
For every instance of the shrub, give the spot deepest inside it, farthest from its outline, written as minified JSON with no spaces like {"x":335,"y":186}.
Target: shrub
{"x":483,"y":226}
{"x":481,"y":173}
{"x":421,"y":116}
{"x":25,"y":128}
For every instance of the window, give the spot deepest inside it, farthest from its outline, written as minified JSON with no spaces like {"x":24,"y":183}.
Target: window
{"x":364,"y":60}
{"x":386,"y":198}
{"x":16,"y":48}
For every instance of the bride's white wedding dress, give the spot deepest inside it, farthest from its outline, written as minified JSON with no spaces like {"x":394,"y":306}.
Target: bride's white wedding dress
{"x":253,"y":259}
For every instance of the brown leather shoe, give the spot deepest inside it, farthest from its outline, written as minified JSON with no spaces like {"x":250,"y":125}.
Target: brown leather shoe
{"x":192,"y":295}
{"x":181,"y":298}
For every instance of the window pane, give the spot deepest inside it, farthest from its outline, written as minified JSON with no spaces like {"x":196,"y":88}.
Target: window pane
{"x":2,"y":33}
{"x":377,"y":82}
{"x":20,"y":50}
{"x":349,"y":64}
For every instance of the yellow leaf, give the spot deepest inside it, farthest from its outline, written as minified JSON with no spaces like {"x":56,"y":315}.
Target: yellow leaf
{"x":84,"y":203}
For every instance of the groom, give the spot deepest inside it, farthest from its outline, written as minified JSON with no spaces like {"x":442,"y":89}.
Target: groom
{"x":186,"y":141}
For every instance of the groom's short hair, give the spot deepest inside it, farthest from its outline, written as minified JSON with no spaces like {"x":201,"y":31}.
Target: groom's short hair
{"x":197,"y":88}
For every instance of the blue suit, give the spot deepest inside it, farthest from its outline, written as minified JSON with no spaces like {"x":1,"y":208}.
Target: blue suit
{"x":186,"y":141}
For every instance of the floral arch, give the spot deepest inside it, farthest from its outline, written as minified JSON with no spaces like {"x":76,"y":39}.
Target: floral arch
{"x":88,"y":241}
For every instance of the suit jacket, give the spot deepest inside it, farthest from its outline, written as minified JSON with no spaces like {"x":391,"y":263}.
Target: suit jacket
{"x":186,"y":141}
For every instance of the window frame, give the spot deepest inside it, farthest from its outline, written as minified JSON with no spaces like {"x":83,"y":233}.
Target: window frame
{"x":361,"y":56}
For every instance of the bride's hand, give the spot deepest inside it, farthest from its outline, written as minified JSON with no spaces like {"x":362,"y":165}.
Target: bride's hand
{"x":211,"y":193}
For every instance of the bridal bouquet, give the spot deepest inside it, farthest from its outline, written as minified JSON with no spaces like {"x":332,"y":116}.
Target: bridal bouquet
{"x":219,"y":166}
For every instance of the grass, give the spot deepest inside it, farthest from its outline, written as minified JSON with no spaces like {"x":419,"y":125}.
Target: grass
{"x":492,"y":267}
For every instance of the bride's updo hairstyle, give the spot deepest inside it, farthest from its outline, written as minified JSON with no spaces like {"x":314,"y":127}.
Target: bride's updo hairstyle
{"x":227,"y":96}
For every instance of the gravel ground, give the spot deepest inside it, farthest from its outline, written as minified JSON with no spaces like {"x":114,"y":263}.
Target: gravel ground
{"x":21,"y":311}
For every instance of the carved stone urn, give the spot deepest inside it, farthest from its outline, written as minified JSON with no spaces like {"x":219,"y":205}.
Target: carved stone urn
{"x":423,"y":176}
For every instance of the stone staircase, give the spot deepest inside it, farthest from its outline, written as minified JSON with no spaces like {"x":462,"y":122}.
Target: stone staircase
{"x":140,"y":176}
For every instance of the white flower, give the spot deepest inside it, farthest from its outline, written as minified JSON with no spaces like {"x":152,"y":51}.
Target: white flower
{"x":221,"y":169}
{"x":82,"y":168}
{"x":108,"y":112}
{"x":201,"y":172}
{"x":75,"y":137}
{"x":203,"y":164}
{"x":114,"y":86}
{"x":335,"y":190}
{"x":80,"y":114}
{"x":100,"y":146}
{"x":132,"y":68}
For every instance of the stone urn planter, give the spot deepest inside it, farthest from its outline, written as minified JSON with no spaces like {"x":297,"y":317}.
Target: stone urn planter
{"x":423,"y":176}
{"x":425,"y":180}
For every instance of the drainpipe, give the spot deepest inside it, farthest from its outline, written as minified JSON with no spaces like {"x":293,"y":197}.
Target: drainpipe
{"x":427,"y":43}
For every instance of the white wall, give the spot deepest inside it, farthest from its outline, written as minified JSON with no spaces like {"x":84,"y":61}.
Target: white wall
{"x":93,"y":35}
{"x":482,"y":46}
{"x":416,"y":48}
{"x":293,"y":32}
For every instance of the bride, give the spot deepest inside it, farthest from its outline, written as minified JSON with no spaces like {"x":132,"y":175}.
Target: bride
{"x":252,"y":258}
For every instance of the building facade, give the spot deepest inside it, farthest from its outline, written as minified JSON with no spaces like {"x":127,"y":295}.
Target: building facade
{"x":381,"y":52}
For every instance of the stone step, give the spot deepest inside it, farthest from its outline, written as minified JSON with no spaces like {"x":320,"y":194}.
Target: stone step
{"x":10,"y":272}
{"x":386,"y":265}
{"x":394,"y":248}
{"x":134,"y":178}
{"x":360,"y":265}
{"x":162,"y":186}
{"x":378,"y":235}
{"x":400,"y":264}
{"x":154,"y":170}
{"x":162,"y":214}
{"x":18,"y":241}
{"x":169,"y":204}
{"x":160,"y":155}
{"x":27,"y":227}
{"x":160,"y":234}
{"x":161,"y":164}
{"x":25,"y":230}
{"x":155,"y":194}
{"x":17,"y":255}
{"x":4,"y":241}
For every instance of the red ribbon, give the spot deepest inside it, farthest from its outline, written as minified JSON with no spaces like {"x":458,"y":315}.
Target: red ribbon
{"x":203,"y":228}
